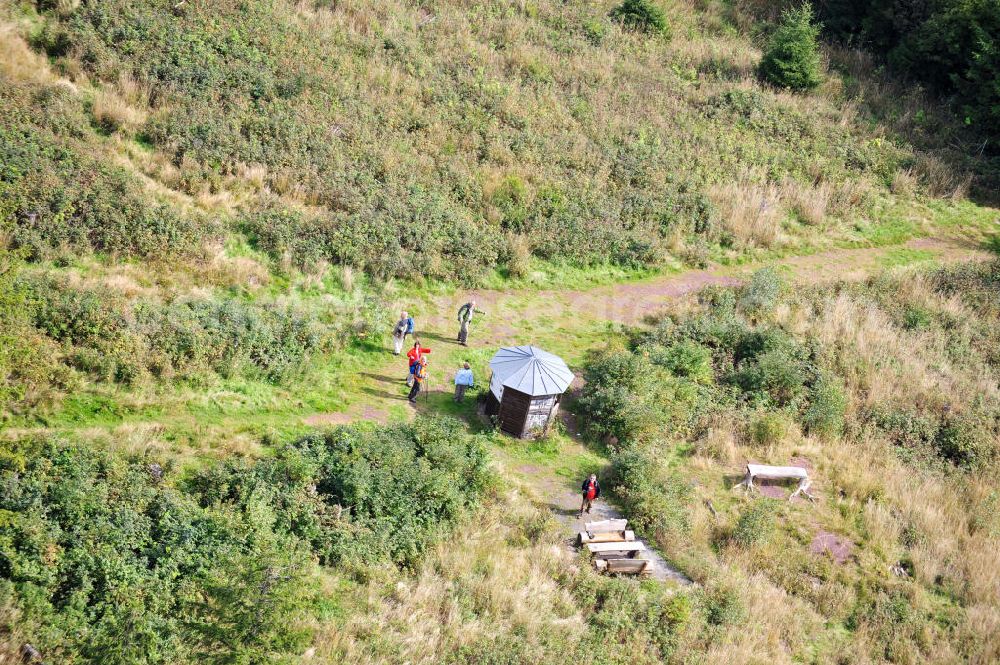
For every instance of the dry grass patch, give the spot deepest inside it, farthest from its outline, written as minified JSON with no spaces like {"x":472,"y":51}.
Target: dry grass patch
{"x":752,"y":213}
{"x":484,"y":586}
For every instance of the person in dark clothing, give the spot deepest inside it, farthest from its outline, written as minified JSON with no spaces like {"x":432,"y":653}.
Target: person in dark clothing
{"x":465,"y":313}
{"x":419,"y":376}
{"x":591,"y":491}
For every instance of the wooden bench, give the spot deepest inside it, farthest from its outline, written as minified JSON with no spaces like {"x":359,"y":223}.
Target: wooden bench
{"x":764,"y":472}
{"x":616,"y":550}
{"x":623,"y":566}
{"x":609,"y":537}
{"x":605,"y":526}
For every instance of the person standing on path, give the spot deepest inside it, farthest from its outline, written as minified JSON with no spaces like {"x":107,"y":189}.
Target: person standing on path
{"x":413,"y":357}
{"x":463,"y":381}
{"x":402,"y":328}
{"x":419,"y":376}
{"x":409,"y":325}
{"x":465,"y":313}
{"x":591,"y":491}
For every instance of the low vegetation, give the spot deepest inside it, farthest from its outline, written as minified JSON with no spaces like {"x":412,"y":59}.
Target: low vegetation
{"x":887,"y":391}
{"x":114,"y":559}
{"x":206,"y":209}
{"x":324,"y":135}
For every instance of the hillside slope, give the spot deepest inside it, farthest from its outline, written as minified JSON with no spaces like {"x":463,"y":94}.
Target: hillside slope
{"x":211,"y":212}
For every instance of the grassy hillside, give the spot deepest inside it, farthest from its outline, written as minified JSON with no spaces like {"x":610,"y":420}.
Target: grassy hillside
{"x":887,"y":391}
{"x":446,"y":140}
{"x":210,"y":211}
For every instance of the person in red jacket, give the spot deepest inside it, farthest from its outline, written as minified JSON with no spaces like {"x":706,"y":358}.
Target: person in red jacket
{"x":413,"y":357}
{"x":591,"y":491}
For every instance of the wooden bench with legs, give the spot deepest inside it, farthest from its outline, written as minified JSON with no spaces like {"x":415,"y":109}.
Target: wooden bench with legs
{"x":764,"y":472}
{"x":623,"y":566}
{"x":607,"y":531}
{"x":622,"y":550}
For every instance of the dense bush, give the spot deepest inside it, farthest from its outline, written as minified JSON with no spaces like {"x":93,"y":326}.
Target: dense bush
{"x":120,"y":339}
{"x":642,"y":15}
{"x":29,"y":365}
{"x":113,"y":560}
{"x":656,"y":498}
{"x":55,"y":195}
{"x":417,"y":234}
{"x":950,"y":44}
{"x":755,"y":525}
{"x":436,"y":172}
{"x":361,"y":494}
{"x":792,"y":57}
{"x":109,"y":564}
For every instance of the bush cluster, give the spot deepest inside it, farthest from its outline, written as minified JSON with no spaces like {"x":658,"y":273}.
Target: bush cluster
{"x":119,"y":339}
{"x":55,"y":195}
{"x":441,"y":173}
{"x":360,"y":495}
{"x":109,"y":564}
{"x":642,"y":15}
{"x":949,"y":44}
{"x":113,"y":559}
{"x":29,"y":367}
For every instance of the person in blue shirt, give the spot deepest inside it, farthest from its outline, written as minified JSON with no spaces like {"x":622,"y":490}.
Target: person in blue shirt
{"x":463,"y":381}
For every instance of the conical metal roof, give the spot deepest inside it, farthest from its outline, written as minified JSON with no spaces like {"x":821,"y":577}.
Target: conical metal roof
{"x":531,"y":370}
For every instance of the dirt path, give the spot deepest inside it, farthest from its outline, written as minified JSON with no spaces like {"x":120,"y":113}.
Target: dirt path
{"x":560,"y":319}
{"x":566,"y":318}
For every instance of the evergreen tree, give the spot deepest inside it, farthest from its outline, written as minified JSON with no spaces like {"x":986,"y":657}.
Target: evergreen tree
{"x":792,"y":58}
{"x":641,"y":15}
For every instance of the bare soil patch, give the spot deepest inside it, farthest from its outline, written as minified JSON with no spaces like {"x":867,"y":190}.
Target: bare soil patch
{"x":839,"y":549}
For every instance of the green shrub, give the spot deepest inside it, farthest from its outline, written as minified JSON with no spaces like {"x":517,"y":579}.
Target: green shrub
{"x":655,"y":497}
{"x":777,"y":374}
{"x":361,"y":494}
{"x":768,"y":429}
{"x":111,"y":560}
{"x":643,"y":15}
{"x":916,"y":318}
{"x":756,"y":524}
{"x":759,"y":296}
{"x":827,"y":402}
{"x":723,"y":606}
{"x":29,"y":363}
{"x":121,"y":340}
{"x":950,"y":45}
{"x":792,"y":58}
{"x":964,"y":443}
{"x":615,"y":397}
{"x":57,"y":196}
{"x":687,"y":359}
{"x":115,"y":566}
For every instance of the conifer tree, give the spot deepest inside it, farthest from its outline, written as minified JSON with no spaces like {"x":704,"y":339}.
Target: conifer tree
{"x":792,"y":59}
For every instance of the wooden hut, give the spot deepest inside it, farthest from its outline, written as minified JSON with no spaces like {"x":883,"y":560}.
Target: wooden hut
{"x":525,"y":388}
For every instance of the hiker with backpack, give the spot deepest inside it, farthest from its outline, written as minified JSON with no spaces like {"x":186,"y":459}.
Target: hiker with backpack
{"x":419,"y":376}
{"x":413,"y":357}
{"x":465,"y":313}
{"x":591,"y":492}
{"x":402,"y":328}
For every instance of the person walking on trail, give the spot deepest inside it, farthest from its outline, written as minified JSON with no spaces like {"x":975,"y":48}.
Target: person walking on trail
{"x":413,"y":357}
{"x":465,"y":313}
{"x":402,"y":328}
{"x":419,"y":376}
{"x":591,"y":491}
{"x":463,"y":381}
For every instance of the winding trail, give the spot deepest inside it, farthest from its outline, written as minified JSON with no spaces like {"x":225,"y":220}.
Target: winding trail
{"x":569,"y":322}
